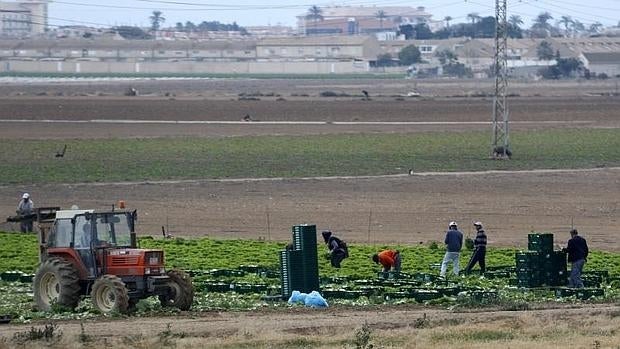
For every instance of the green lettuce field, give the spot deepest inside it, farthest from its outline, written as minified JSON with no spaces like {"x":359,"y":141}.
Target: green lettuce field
{"x":243,"y":274}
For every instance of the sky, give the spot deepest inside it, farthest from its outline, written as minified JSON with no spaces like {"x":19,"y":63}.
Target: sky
{"x":100,"y":13}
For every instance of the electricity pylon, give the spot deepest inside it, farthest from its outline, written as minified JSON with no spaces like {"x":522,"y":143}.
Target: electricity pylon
{"x":501,"y":145}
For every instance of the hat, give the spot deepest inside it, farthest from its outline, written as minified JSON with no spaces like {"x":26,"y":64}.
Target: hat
{"x":478,"y":224}
{"x":452,"y":224}
{"x":26,"y":196}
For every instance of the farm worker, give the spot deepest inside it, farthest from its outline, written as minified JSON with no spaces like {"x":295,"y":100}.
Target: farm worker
{"x":577,"y":250}
{"x":337,"y":248}
{"x":454,"y":243}
{"x":389,"y":259}
{"x":25,"y":209}
{"x":480,"y":250}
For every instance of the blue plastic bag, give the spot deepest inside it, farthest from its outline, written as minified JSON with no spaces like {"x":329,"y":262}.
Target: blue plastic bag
{"x":297,"y":298}
{"x":315,"y":300}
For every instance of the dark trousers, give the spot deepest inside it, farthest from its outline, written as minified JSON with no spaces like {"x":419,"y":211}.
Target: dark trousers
{"x":478,"y":257}
{"x":338,"y":256}
{"x":26,"y":226}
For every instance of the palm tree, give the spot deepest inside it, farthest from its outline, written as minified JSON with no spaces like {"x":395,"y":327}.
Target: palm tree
{"x":578,"y":27}
{"x":542,"y":21}
{"x":381,"y":16}
{"x":541,"y":27}
{"x":447,"y":19}
{"x":474,"y":17}
{"x":515,"y":20}
{"x":595,"y":28}
{"x":315,"y":14}
{"x":567,"y":21}
{"x":156,"y":20}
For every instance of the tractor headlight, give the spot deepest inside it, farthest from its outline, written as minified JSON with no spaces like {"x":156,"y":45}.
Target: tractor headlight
{"x":154,"y":258}
{"x":151,"y":271}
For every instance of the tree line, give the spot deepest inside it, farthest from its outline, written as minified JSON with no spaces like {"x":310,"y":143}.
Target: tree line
{"x":157,"y":19}
{"x":481,"y":27}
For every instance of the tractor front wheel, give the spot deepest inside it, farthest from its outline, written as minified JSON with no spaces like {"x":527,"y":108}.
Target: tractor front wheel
{"x":56,"y":282}
{"x":181,"y":291}
{"x":109,"y":294}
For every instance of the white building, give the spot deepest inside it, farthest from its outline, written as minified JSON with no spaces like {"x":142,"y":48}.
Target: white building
{"x":355,"y":20}
{"x":23,"y":18}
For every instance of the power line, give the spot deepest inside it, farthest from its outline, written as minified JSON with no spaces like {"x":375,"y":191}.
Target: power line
{"x":587,"y":6}
{"x":577,"y":11}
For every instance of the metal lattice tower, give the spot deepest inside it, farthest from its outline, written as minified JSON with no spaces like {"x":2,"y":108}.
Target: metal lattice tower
{"x":500,"y":146}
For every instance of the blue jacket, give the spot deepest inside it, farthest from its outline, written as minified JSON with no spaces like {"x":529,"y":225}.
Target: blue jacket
{"x":454,"y":240}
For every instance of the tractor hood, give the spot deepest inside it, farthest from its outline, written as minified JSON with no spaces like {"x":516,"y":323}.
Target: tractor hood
{"x":128,"y":261}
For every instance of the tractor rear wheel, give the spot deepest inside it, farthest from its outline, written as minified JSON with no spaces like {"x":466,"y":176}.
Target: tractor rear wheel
{"x":181,"y":291}
{"x":56,"y":282}
{"x":109,"y":294}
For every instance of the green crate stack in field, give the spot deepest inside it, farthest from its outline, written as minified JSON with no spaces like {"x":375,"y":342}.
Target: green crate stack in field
{"x":299,"y":267}
{"x":304,"y":239}
{"x":291,"y":272}
{"x":541,"y":265}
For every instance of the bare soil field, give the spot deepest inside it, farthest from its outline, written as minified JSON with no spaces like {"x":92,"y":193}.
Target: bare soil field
{"x":409,"y":209}
{"x":157,"y":117}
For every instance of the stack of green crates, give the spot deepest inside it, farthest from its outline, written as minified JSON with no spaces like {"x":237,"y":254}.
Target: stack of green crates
{"x":541,"y":265}
{"x":540,"y":242}
{"x":291,"y":271}
{"x":300,"y":266}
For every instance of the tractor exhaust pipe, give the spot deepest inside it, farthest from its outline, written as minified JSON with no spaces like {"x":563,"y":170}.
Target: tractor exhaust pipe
{"x":133,"y":239}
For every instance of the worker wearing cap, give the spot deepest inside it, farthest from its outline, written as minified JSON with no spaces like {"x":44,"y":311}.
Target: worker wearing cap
{"x":454,"y":243}
{"x":480,"y":250}
{"x":389,"y":259}
{"x":25,"y":209}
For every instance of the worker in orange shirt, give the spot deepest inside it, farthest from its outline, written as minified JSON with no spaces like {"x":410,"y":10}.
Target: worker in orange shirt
{"x":389,"y":259}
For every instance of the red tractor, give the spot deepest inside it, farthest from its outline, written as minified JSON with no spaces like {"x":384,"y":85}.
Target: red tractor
{"x":95,"y":253}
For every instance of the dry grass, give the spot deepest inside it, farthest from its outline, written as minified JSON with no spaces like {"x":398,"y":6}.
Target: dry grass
{"x":559,"y":328}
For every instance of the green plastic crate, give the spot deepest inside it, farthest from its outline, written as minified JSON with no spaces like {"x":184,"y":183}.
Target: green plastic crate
{"x":579,"y":293}
{"x":540,"y":242}
{"x":11,"y":275}
{"x":396,"y":295}
{"x":426,"y":295}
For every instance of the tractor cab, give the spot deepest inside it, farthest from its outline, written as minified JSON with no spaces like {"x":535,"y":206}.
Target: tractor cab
{"x":96,"y":234}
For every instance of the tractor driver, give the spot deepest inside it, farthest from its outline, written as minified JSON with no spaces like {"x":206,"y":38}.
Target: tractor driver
{"x":85,"y":239}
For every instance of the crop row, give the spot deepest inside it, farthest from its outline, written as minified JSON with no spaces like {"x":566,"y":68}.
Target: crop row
{"x":20,"y":252}
{"x":238,"y":274}
{"x":32,"y":161}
